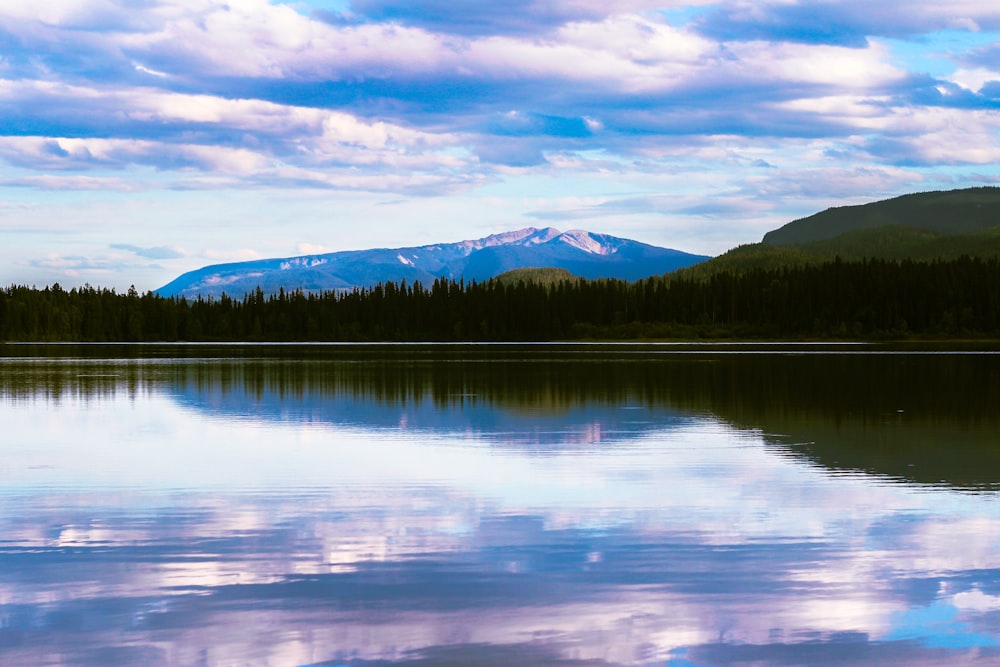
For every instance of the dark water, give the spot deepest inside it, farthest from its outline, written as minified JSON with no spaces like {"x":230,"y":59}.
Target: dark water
{"x":499,"y":505}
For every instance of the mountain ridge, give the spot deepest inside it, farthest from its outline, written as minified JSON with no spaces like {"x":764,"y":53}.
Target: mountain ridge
{"x":921,"y":227}
{"x":960,"y":211}
{"x":582,"y":253}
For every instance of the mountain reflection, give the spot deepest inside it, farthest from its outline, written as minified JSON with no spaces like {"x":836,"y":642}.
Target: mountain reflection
{"x":547,"y":405}
{"x":546,"y":505}
{"x":917,"y":417}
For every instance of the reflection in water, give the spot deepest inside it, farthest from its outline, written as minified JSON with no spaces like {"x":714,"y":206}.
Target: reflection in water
{"x":495,"y":506}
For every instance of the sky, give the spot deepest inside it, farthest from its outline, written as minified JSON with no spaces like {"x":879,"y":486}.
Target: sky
{"x":140,"y":139}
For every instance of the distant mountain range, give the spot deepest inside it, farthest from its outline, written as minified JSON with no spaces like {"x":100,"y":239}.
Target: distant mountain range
{"x":584,"y":254}
{"x":921,"y":227}
{"x":926,"y":226}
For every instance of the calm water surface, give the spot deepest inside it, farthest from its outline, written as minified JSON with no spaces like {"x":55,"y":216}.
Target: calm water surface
{"x":498,"y":505}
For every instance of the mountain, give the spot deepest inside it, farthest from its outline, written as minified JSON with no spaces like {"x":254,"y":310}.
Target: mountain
{"x":582,"y":253}
{"x":923,"y":227}
{"x":950,"y":212}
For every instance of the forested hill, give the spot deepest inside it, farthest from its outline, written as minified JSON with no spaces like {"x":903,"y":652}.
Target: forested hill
{"x":856,"y":300}
{"x":924,"y":227}
{"x":543,"y":276}
{"x":945,"y":213}
{"x":886,"y":243}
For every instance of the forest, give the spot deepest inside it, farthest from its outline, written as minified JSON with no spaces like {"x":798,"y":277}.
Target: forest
{"x":869,"y":299}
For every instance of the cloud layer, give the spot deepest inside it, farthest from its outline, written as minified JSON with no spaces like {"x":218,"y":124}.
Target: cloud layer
{"x":417,"y":99}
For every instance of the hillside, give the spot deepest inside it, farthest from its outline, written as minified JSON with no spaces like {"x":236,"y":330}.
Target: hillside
{"x":921,"y":227}
{"x":947,"y":212}
{"x":539,"y":276}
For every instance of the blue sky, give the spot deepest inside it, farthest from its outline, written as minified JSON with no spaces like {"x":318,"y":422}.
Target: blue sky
{"x":143,"y":138}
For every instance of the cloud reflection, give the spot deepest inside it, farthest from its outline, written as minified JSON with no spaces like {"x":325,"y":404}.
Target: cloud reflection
{"x":622,"y":595}
{"x":209,"y":512}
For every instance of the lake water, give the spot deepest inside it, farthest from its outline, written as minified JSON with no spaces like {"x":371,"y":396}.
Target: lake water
{"x":499,"y":505}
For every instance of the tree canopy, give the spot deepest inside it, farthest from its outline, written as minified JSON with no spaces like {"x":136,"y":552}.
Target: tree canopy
{"x":863,"y":299}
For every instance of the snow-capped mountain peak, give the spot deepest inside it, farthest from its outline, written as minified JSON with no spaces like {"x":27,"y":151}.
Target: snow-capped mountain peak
{"x":594,"y":244}
{"x":582,"y":253}
{"x":526,"y":237}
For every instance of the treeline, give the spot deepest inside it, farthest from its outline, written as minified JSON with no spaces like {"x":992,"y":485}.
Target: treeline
{"x":866,"y":299}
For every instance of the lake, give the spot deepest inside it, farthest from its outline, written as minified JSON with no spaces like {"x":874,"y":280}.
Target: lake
{"x":571,"y":505}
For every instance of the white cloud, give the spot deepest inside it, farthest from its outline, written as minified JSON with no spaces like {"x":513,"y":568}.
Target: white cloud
{"x":939,"y":136}
{"x":976,"y":600}
{"x":974,"y":79}
{"x":285,"y":139}
{"x":624,"y":52}
{"x":827,"y":186}
{"x":855,"y":109}
{"x":152,"y":72}
{"x":638,"y":39}
{"x":68,"y":13}
{"x":274,"y":41}
{"x":61,"y":153}
{"x":835,"y":67}
{"x":96,"y":265}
